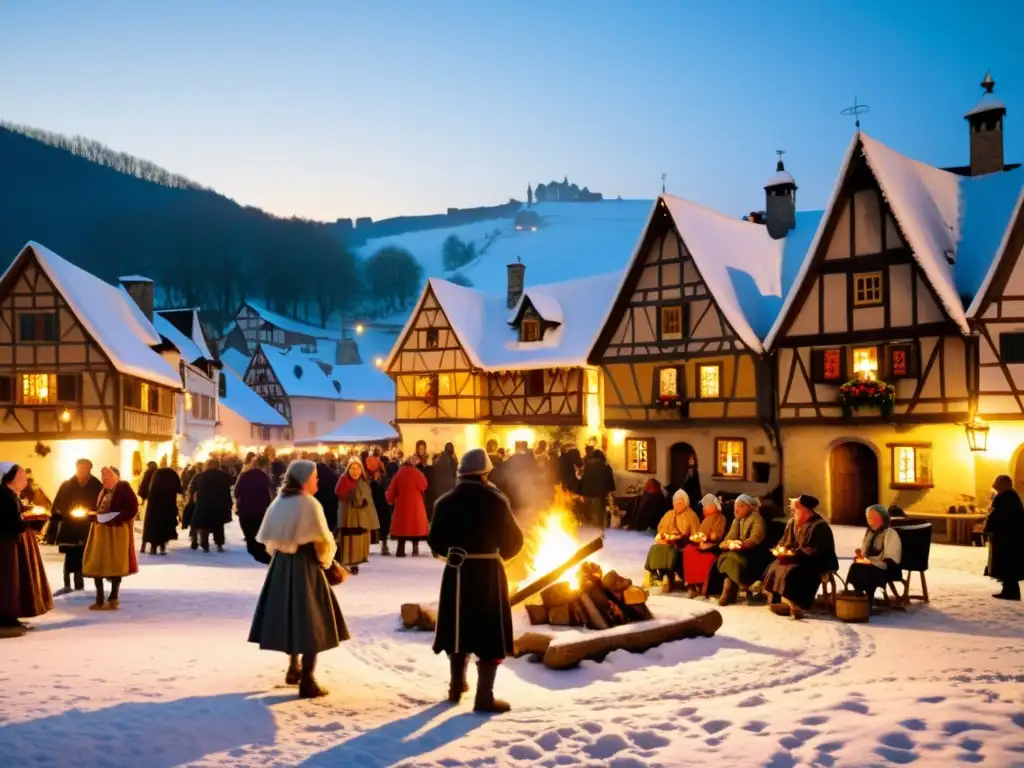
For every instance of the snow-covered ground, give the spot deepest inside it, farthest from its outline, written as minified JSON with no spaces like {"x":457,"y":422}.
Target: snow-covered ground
{"x":170,"y":680}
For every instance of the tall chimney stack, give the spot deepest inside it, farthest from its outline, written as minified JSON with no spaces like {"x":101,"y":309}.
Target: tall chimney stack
{"x":986,"y":122}
{"x":780,"y":201}
{"x":516,"y":280}
{"x":141,"y":290}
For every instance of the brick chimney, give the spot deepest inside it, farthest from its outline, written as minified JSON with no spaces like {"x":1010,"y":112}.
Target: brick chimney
{"x":141,"y":290}
{"x":347,"y":353}
{"x":780,"y":201}
{"x":516,"y":279}
{"x":986,"y":123}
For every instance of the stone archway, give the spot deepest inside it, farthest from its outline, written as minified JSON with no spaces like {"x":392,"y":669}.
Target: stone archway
{"x":853,"y":472}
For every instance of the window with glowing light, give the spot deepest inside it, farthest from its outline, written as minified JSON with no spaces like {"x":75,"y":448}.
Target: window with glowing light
{"x":911,"y":466}
{"x":426,"y":387}
{"x":640,"y":454}
{"x":867,"y":289}
{"x":38,"y":388}
{"x":731,"y":458}
{"x":668,"y":382}
{"x":709,"y":380}
{"x":865,"y":362}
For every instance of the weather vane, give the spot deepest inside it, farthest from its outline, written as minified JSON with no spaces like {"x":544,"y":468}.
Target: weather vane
{"x":856,"y":110}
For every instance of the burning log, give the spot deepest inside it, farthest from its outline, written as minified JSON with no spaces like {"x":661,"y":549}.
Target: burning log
{"x":634,"y":596}
{"x":538,"y":614}
{"x":554,"y":575}
{"x":558,"y":594}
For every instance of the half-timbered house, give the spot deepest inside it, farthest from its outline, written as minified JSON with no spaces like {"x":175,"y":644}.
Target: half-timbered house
{"x":685,"y":383}
{"x":245,"y":418}
{"x":469,"y":366}
{"x":81,"y":371}
{"x":314,"y":395}
{"x":875,"y":363}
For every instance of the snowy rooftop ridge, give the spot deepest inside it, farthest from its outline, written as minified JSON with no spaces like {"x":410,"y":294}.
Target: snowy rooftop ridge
{"x":1000,"y":252}
{"x":481,"y":323}
{"x":109,"y":315}
{"x":361,"y":429}
{"x":302,"y":375}
{"x":193,"y":347}
{"x":135,"y":279}
{"x":240,"y":399}
{"x":290,"y":324}
{"x":944,"y":218}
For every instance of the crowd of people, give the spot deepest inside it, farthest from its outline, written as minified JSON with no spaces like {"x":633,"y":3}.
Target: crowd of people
{"x":313,"y":521}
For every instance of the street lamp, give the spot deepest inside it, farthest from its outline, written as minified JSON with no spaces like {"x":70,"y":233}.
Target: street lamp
{"x":977,"y":434}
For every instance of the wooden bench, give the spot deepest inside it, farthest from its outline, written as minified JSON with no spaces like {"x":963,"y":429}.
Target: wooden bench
{"x":958,"y":528}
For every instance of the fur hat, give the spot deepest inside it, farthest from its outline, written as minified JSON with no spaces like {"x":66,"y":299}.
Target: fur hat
{"x":475,"y":462}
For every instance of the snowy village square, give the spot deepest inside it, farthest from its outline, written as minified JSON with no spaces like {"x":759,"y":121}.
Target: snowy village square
{"x":566,"y":384}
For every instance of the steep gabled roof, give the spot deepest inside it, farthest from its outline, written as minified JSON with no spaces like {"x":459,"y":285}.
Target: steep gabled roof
{"x":192,"y":345}
{"x":990,"y":203}
{"x":242,"y":400}
{"x":302,"y":374}
{"x":942,"y":216}
{"x":480,"y":323}
{"x":108,"y":314}
{"x":290,"y":324}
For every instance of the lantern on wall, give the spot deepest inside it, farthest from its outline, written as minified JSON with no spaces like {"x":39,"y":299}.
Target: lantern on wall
{"x":977,"y":434}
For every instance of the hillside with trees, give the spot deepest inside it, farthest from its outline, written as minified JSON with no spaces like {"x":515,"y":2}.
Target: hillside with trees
{"x":113,"y":214}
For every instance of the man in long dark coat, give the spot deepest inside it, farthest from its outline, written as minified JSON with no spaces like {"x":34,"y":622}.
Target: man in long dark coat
{"x":1005,"y":529}
{"x":212,"y":506}
{"x":474,"y":529}
{"x":254,"y":490}
{"x":70,"y":532}
{"x":442,"y":479}
{"x":795,"y":579}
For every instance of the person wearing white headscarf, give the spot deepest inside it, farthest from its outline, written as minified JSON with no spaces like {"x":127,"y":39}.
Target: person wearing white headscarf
{"x":297,"y":612}
{"x":664,"y":560}
{"x":743,"y":557}
{"x":700,"y":554}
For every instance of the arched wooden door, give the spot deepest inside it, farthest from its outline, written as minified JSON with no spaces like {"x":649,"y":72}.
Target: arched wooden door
{"x":681,"y":456}
{"x":853,"y":468}
{"x":1018,"y":472}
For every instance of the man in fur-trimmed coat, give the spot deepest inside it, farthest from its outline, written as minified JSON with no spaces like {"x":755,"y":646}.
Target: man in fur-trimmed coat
{"x":474,"y":530}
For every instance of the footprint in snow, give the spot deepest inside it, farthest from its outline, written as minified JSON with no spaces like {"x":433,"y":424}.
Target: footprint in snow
{"x":1018,"y":719}
{"x":647,"y":739}
{"x":956,"y":727}
{"x":590,"y":727}
{"x":627,"y":762}
{"x":714,"y":726}
{"x":755,"y":726}
{"x":685,"y":711}
{"x":914,"y":724}
{"x":970,"y":757}
{"x":898,"y":756}
{"x":798,"y":738}
{"x":524,"y":752}
{"x":814,"y":720}
{"x":897,"y":740}
{"x":606,"y":747}
{"x":854,"y":706}
{"x":549,"y":741}
{"x":971,"y":745}
{"x":753,"y":701}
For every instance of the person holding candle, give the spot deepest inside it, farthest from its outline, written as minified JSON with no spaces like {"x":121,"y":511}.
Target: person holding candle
{"x":877,"y":562}
{"x":806,"y":552}
{"x":24,"y":590}
{"x":110,"y":549}
{"x":75,"y":500}
{"x":744,"y":555}
{"x":701,"y":552}
{"x":674,"y":530}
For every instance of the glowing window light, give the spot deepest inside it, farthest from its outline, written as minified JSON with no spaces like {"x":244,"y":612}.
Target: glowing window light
{"x":865,"y":362}
{"x":709,"y":381}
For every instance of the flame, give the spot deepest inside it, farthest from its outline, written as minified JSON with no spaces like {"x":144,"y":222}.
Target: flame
{"x":79,"y":512}
{"x":551,"y":542}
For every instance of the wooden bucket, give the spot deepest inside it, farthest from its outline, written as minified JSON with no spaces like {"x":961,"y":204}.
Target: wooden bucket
{"x":851,"y":608}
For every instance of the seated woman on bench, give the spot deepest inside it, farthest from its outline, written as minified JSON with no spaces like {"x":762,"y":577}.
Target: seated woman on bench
{"x":664,"y":557}
{"x":877,"y":562}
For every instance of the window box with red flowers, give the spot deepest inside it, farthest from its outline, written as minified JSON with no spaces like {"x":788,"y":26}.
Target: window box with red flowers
{"x":867,"y":393}
{"x":669,"y":401}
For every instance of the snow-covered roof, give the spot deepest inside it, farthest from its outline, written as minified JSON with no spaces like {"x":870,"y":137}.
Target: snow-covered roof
{"x":135,"y":279}
{"x":193,"y":346}
{"x":235,"y":360}
{"x":109,"y":315}
{"x":480,"y":322}
{"x":547,"y":306}
{"x":290,"y":324}
{"x":302,"y":374}
{"x":988,"y":103}
{"x":944,"y":217}
{"x":747,"y":272}
{"x":243,"y":401}
{"x":780,"y":177}
{"x":361,"y":429}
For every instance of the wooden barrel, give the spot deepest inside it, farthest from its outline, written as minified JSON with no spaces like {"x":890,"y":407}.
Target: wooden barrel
{"x":852,"y":608}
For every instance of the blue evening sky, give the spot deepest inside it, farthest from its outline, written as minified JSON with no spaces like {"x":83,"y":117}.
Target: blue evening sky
{"x":381,"y":107}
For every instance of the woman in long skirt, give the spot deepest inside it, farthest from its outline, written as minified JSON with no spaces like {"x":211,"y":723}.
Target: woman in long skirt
{"x":297,"y":612}
{"x":877,"y":562}
{"x":24,"y":590}
{"x":161,"y":523}
{"x":110,"y":548}
{"x":357,"y":516}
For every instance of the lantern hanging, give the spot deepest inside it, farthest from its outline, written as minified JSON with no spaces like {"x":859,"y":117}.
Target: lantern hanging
{"x":977,"y":434}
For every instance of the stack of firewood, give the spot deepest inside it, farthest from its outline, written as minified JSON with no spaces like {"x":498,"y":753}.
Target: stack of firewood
{"x":601,"y":600}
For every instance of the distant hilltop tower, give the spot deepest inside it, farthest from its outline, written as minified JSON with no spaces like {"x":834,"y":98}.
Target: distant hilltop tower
{"x":529,"y":194}
{"x":564,"y":192}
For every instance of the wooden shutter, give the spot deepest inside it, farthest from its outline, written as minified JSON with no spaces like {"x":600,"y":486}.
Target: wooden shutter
{"x":1011,"y":347}
{"x":901,"y":361}
{"x":67,"y":388}
{"x":6,"y":389}
{"x":828,"y":366}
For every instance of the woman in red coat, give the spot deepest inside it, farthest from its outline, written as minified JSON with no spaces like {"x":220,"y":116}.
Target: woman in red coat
{"x":409,"y":522}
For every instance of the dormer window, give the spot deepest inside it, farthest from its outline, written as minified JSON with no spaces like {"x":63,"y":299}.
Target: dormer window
{"x":529,"y":329}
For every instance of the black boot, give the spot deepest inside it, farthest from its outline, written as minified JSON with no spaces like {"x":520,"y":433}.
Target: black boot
{"x":308,"y":686}
{"x":415,"y":549}
{"x":485,"y":701}
{"x":401,"y":548}
{"x":458,"y":685}
{"x":67,"y":585}
{"x":294,"y":673}
{"x":384,"y":548}
{"x":79,"y":581}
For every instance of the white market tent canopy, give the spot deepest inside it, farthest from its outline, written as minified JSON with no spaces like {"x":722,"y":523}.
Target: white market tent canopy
{"x":361,"y":429}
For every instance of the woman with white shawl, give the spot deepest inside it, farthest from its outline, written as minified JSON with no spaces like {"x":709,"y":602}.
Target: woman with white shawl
{"x":297,"y":612}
